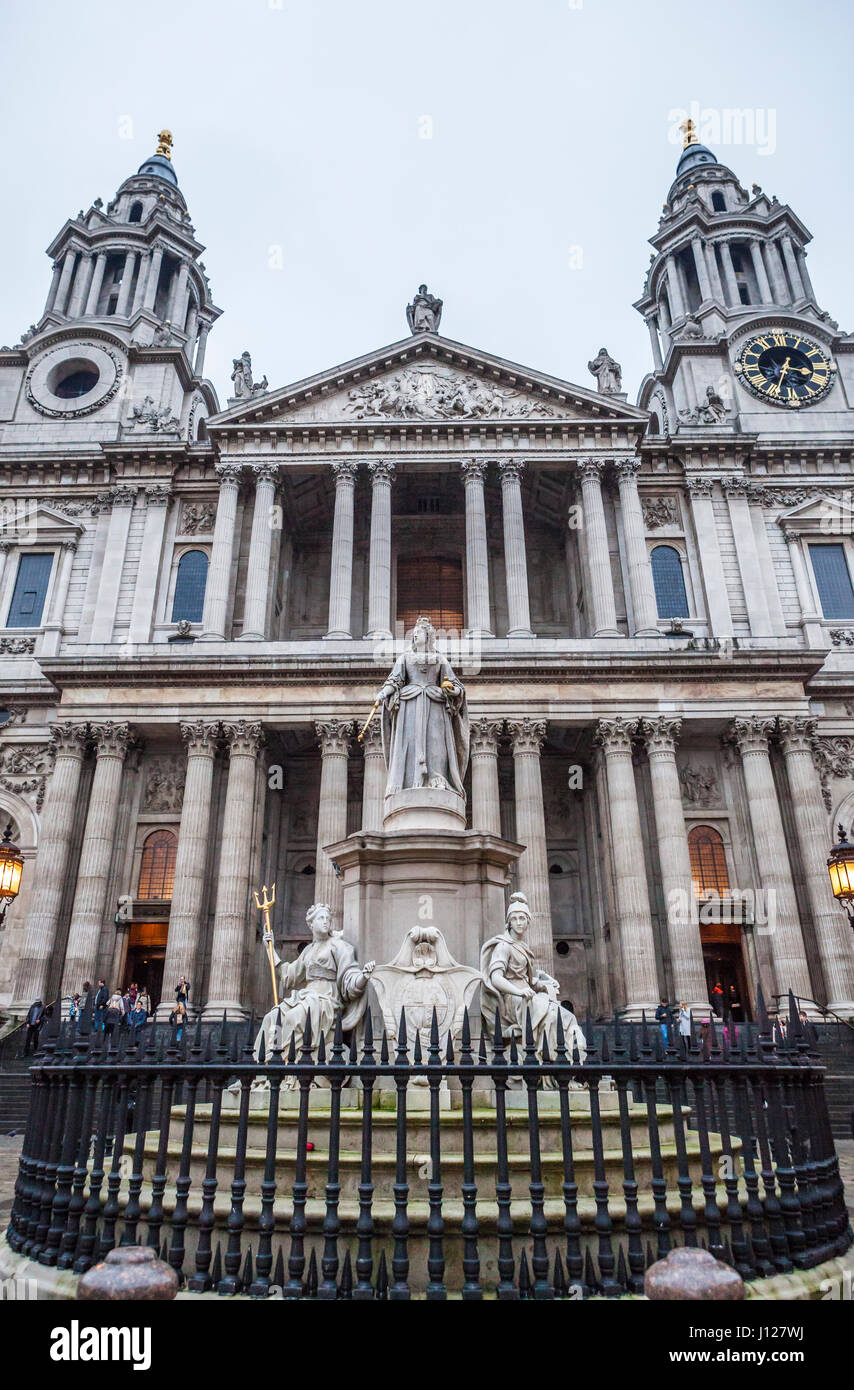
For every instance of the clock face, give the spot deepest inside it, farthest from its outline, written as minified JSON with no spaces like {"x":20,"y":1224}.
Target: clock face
{"x":785,"y":369}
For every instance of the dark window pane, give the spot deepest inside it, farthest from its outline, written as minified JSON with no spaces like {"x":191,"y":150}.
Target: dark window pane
{"x":30,"y":590}
{"x":669,"y":584}
{"x":833,"y":579}
{"x":157,"y":870}
{"x":708,"y":861}
{"x":432,"y":586}
{"x":189,"y":598}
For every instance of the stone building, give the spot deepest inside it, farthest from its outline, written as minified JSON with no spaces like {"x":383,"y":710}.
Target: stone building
{"x":651,"y":607}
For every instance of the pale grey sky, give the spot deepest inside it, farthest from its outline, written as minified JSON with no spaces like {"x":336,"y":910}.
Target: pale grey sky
{"x":299,"y":125}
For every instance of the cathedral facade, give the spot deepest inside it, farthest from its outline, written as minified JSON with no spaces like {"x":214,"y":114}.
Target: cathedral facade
{"x":650,"y":606}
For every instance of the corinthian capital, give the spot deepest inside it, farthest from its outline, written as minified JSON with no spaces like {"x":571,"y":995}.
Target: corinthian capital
{"x":201,"y":735}
{"x":699,"y":487}
{"x":265,"y":472}
{"x":591,"y":469}
{"x":334,"y":735}
{"x":344,"y":471}
{"x":751,"y":735}
{"x":70,"y":740}
{"x":243,"y":736}
{"x":473,"y":470}
{"x":526,"y":735}
{"x":111,"y":739}
{"x":485,"y":734}
{"x":660,"y":735}
{"x":627,"y":468}
{"x":510,"y":470}
{"x":381,"y":470}
{"x":616,"y":735}
{"x":229,"y":473}
{"x":372,"y":738}
{"x":797,"y":735}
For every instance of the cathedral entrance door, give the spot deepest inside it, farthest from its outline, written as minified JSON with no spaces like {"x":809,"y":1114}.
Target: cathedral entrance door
{"x":146,"y":956}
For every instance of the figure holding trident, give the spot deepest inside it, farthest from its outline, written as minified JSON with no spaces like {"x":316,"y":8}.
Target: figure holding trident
{"x":263,"y":904}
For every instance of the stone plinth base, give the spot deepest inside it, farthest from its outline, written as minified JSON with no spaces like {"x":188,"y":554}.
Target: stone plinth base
{"x":424,"y":808}
{"x":451,"y":879}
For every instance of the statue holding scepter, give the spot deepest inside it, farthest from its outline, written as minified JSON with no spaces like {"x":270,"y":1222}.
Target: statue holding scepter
{"x":425,"y":723}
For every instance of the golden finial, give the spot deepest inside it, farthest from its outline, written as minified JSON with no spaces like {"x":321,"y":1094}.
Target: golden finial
{"x":164,"y":143}
{"x":689,"y":130}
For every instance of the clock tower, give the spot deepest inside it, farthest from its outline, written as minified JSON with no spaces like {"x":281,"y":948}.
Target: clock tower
{"x":740,"y":342}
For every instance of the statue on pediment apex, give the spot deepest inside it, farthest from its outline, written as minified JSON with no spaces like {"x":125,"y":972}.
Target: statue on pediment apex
{"x":424,"y":314}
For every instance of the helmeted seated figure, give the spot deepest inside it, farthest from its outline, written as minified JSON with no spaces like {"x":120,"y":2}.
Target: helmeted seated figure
{"x":513,"y":985}
{"x":326,"y":983}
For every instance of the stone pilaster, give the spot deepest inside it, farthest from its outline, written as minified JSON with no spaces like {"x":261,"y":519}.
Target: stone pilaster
{"x":218,"y":589}
{"x":601,"y":608}
{"x":379,"y":561}
{"x":765,"y":295}
{"x":736,"y":490}
{"x":711,"y":565}
{"x":644,"y":607}
{"x":779,"y":914}
{"x":485,"y":798}
{"x":634,"y":921}
{"x":373,"y":784}
{"x":227,"y":988}
{"x":683,"y":930}
{"x":122,"y":498}
{"x":60,"y":815}
{"x":341,"y":573}
{"x":814,"y":634}
{"x":158,"y":496}
{"x":526,"y":738}
{"x":515,"y":554}
{"x":91,"y":910}
{"x":260,"y":549}
{"x":477,"y":549}
{"x":832,"y":931}
{"x":334,"y":738}
{"x":201,"y":738}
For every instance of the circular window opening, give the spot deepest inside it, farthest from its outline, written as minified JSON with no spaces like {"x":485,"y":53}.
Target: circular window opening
{"x":72,"y":379}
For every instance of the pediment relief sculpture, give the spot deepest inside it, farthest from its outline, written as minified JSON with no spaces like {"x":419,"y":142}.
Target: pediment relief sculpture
{"x":426,"y":394}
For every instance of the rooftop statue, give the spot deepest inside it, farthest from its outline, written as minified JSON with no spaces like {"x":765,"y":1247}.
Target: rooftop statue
{"x":425,"y":723}
{"x":424,"y":314}
{"x":608,"y":373}
{"x":513,"y":986}
{"x":244,"y":385}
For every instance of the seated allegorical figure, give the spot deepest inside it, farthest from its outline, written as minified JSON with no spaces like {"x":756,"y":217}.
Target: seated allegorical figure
{"x":325,"y":982}
{"x":513,"y":985}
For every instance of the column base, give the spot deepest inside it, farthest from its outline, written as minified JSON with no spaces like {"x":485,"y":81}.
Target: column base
{"x":252,"y":637}
{"x":633,"y":1013}
{"x":337,"y":637}
{"x":647,"y":632}
{"x":482,"y":632}
{"x":607,"y":632}
{"x":211,"y":637}
{"x":845,"y":1007}
{"x":214,"y":1010}
{"x":380,"y":634}
{"x":521,"y":632}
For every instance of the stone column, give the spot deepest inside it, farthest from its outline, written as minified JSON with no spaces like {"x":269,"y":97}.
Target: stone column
{"x":792,"y":268}
{"x":603,"y":613}
{"x":644,"y":607}
{"x":811,"y":619}
{"x":194,"y":845}
{"x":178,"y":296}
{"x":157,"y":496}
{"x":96,"y":283}
{"x":199,"y":364}
{"x":59,"y":818}
{"x":736,"y":493}
{"x":526,"y":738}
{"x":334,"y":737}
{"x":91,"y":910}
{"x":729,"y":275}
{"x":708,"y":548}
{"x":634,"y":920}
{"x":832,"y":931}
{"x":515,"y":555}
{"x":714,"y":272}
{"x":122,"y":499}
{"x":379,"y":563}
{"x":61,"y":300}
{"x":141,"y":282}
{"x":227,"y":988}
{"x":677,"y":302}
{"x":260,"y":549}
{"x":153,"y":277}
{"x":59,"y":597}
{"x":809,"y":291}
{"x":765,"y":295}
{"x":374,"y":780}
{"x":341,"y":575}
{"x":776,"y":273}
{"x":477,"y":549}
{"x":218,"y":588}
{"x":683,"y":928}
{"x":655,"y":342}
{"x":127,"y":280}
{"x":77,"y":297}
{"x":701,"y":268}
{"x":485,"y":798}
{"x":54,"y":287}
{"x":778,"y":914}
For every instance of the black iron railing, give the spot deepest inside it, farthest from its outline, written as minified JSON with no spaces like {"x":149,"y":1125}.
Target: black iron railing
{"x":392,"y":1171}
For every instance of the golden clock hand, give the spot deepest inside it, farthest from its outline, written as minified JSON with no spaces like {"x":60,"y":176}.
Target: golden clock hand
{"x":783,"y":370}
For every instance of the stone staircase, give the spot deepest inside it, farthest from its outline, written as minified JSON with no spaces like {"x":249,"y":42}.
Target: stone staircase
{"x":836,"y":1050}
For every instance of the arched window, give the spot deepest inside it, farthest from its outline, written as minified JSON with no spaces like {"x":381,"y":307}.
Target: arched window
{"x":189,"y":601}
{"x":718,"y":202}
{"x":654,"y":426}
{"x":157,"y":870}
{"x":708,"y":861}
{"x":135,"y":213}
{"x":432,"y":585}
{"x":669,"y":583}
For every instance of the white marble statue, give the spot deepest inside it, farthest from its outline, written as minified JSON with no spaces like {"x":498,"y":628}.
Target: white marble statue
{"x":425,"y":724}
{"x":608,"y":373}
{"x":422,"y":977}
{"x":512,"y":984}
{"x":424,"y":314}
{"x":325,"y":982}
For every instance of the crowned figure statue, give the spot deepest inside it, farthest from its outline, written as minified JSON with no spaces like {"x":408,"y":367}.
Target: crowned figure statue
{"x":425,"y":723}
{"x":513,"y":986}
{"x":325,"y":983}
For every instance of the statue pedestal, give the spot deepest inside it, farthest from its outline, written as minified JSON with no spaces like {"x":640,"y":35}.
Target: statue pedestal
{"x":397,"y":879}
{"x":424,"y":808}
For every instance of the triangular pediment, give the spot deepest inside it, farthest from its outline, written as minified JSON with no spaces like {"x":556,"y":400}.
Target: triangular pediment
{"x":823,"y":511}
{"x":427,"y":378}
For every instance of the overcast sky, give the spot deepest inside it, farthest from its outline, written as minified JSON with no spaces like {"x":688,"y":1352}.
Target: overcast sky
{"x":514,"y":156}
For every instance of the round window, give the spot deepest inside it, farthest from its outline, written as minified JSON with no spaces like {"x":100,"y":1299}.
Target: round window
{"x":78,"y":383}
